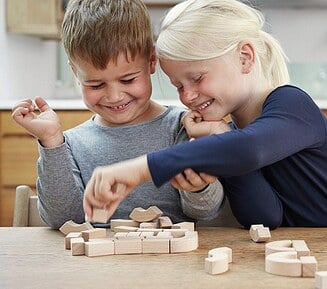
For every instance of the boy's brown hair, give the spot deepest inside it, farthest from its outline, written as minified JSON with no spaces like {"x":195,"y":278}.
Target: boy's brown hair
{"x":97,"y":31}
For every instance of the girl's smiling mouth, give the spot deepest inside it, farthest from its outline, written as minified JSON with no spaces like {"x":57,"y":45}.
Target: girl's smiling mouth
{"x":120,"y":107}
{"x":204,"y":105}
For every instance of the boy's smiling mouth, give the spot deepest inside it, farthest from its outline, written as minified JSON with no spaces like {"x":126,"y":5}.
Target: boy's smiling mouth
{"x":205,"y":105}
{"x":118,"y":107}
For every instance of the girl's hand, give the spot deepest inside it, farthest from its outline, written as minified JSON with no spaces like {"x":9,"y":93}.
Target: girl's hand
{"x":45,"y":126}
{"x":191,"y":181}
{"x":110,"y":185}
{"x":197,"y":127}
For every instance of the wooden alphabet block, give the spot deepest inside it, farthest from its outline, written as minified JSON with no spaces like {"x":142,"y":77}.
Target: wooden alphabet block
{"x":301,"y":248}
{"x":128,"y":246}
{"x":149,"y":225}
{"x":278,"y":246}
{"x":184,"y":225}
{"x":184,"y":244}
{"x":71,"y":226}
{"x":216,"y":264}
{"x":284,"y":264}
{"x":225,"y":250}
{"x":321,"y":280}
{"x":100,"y":216}
{"x":141,"y":215}
{"x":155,"y":245}
{"x":77,"y":246}
{"x":125,"y":229}
{"x":69,"y":236}
{"x":122,"y":222}
{"x":99,"y":247}
{"x":94,"y":233}
{"x":309,"y":266}
{"x":165,"y":222}
{"x":259,"y":233}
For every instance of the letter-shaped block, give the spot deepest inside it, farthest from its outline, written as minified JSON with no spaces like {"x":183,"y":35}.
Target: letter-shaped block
{"x":259,"y":233}
{"x":284,"y":264}
{"x":184,"y":244}
{"x":321,"y":280}
{"x":71,"y":226}
{"x":141,"y":215}
{"x":218,"y":260}
{"x":99,"y":247}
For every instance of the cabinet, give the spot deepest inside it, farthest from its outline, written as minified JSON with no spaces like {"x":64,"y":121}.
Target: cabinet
{"x":18,"y":156}
{"x":41,"y":18}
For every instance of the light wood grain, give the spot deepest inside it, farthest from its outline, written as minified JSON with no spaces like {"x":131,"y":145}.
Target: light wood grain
{"x":42,"y":254}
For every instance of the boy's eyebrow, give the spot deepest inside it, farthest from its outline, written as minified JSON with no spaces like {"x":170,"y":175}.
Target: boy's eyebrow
{"x":122,"y":76}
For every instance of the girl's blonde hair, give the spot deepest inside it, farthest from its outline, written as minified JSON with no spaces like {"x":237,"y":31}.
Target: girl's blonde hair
{"x":99,"y":30}
{"x":204,"y":29}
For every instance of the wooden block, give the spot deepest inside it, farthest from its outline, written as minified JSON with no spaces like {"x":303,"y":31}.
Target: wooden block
{"x":301,"y":248}
{"x":149,"y":230}
{"x":150,"y":225}
{"x":309,"y":266}
{"x":70,"y":236}
{"x":100,"y":216}
{"x":128,"y":246}
{"x":145,"y":235}
{"x":176,"y":233}
{"x":120,"y":235}
{"x":184,"y":244}
{"x":284,"y":264}
{"x":184,"y":225}
{"x":259,"y":233}
{"x":321,"y":280}
{"x":155,"y":245}
{"x":94,"y":233}
{"x":216,"y":264}
{"x":278,"y":246}
{"x":122,"y":222}
{"x":141,"y":215}
{"x":99,"y":247}
{"x":164,"y":235}
{"x":219,"y":250}
{"x":71,"y":226}
{"x":125,"y":229}
{"x":165,"y":222}
{"x":134,"y":235}
{"x":77,"y":246}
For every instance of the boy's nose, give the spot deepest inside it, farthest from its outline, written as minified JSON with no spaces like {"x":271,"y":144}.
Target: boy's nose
{"x":113,"y":94}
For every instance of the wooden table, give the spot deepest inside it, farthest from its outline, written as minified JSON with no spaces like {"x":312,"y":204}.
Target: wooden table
{"x":35,"y":258}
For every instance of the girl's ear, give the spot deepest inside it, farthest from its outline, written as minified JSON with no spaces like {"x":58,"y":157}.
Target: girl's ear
{"x":153,"y":61}
{"x":247,"y":56}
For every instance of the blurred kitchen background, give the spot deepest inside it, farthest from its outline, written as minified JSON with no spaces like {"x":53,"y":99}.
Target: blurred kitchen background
{"x":36,"y":64}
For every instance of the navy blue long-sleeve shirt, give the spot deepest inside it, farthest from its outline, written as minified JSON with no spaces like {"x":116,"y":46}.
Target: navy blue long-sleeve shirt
{"x":286,"y":146}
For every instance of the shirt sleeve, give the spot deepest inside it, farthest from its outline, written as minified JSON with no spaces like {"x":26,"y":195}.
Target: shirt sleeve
{"x":289,"y":123}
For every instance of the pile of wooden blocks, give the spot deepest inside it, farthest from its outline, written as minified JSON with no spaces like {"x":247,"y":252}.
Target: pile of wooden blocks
{"x":147,"y":231}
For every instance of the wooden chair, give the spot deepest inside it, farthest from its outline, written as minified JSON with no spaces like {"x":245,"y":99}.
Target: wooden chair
{"x":26,"y":213}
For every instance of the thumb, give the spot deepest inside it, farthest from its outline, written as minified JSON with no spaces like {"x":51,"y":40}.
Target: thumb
{"x":41,"y":104}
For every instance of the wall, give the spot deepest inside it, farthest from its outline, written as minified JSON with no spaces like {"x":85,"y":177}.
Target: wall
{"x":28,"y":65}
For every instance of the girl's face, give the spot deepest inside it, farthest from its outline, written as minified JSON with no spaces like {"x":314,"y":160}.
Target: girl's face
{"x":119,"y":94}
{"x":215,"y":87}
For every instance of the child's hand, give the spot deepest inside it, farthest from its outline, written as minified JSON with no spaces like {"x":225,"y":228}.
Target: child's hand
{"x":110,"y":185}
{"x":45,"y":126}
{"x":197,"y":127}
{"x":191,"y":181}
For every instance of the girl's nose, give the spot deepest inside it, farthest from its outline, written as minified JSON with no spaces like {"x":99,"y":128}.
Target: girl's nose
{"x":190,"y":95}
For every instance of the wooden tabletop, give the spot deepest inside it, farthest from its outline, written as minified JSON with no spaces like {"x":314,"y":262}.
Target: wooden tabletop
{"x":35,"y":258}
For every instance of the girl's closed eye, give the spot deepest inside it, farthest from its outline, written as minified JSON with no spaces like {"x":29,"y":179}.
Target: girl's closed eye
{"x":197,"y":79}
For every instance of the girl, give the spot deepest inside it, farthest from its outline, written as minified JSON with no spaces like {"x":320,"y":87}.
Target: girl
{"x":222,"y":63}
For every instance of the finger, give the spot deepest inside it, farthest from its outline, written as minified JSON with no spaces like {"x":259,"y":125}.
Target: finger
{"x":208,"y":178}
{"x":42,"y":105}
{"x":183,"y":182}
{"x":175,"y":184}
{"x":89,"y":200}
{"x":111,"y":208}
{"x":194,"y":178}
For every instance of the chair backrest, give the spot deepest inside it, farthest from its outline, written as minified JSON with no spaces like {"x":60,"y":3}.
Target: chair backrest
{"x":26,"y":213}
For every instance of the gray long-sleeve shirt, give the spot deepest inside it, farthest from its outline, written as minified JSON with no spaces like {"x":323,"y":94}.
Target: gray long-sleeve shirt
{"x":64,"y":171}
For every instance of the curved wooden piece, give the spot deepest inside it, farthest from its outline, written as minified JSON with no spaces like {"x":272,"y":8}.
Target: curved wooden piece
{"x":284,"y":264}
{"x":141,"y":215}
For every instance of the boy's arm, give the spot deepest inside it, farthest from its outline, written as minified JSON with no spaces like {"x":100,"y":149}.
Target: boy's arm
{"x":60,"y":188}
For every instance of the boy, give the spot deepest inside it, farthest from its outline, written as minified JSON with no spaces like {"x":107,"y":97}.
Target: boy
{"x":111,"y":52}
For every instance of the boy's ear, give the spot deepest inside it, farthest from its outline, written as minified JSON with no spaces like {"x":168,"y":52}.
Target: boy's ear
{"x":153,"y":61}
{"x":247,"y":56}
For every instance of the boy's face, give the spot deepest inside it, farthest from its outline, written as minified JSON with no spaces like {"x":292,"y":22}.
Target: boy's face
{"x":215,"y":87}
{"x":119,"y":94}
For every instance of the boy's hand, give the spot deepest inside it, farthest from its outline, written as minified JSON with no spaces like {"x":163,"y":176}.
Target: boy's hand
{"x":45,"y":126}
{"x":191,"y":181}
{"x":110,"y":185}
{"x":197,"y":127}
